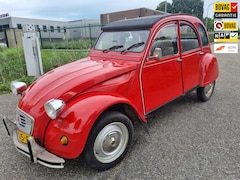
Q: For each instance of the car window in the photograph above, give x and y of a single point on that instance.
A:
(203, 35)
(166, 39)
(189, 39)
(119, 40)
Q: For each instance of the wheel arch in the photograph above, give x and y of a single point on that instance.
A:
(78, 119)
(209, 68)
(125, 109)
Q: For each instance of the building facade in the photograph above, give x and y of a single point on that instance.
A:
(84, 28)
(133, 13)
(50, 29)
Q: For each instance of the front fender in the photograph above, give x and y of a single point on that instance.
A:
(210, 70)
(76, 121)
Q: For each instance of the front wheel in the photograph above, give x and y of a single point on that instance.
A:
(205, 93)
(109, 140)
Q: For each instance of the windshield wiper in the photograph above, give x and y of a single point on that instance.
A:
(136, 45)
(112, 48)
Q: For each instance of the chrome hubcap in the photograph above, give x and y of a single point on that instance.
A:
(208, 90)
(111, 142)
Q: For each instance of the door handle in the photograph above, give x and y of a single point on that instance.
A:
(179, 60)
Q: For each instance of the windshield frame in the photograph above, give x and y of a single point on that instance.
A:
(125, 38)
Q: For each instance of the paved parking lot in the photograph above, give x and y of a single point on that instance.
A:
(188, 140)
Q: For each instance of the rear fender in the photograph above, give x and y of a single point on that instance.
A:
(210, 70)
(76, 121)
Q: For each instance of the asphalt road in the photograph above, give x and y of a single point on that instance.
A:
(188, 140)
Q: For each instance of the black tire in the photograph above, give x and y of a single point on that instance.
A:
(108, 141)
(205, 93)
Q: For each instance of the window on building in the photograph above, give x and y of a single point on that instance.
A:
(19, 26)
(52, 28)
(37, 28)
(3, 27)
(58, 29)
(6, 26)
(44, 28)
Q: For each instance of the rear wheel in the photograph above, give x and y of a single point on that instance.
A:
(205, 93)
(109, 140)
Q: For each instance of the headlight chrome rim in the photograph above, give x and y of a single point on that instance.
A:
(53, 107)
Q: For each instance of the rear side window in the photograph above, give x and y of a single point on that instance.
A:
(203, 35)
(189, 39)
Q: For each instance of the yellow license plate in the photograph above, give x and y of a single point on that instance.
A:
(23, 137)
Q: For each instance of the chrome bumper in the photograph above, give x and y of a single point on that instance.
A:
(36, 153)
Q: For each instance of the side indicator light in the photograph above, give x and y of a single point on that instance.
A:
(64, 140)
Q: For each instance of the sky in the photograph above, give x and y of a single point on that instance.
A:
(71, 9)
(78, 9)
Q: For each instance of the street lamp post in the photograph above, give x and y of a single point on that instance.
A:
(207, 16)
(166, 6)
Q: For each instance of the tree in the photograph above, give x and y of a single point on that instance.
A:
(209, 23)
(194, 7)
(161, 7)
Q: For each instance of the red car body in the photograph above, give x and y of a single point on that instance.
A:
(132, 81)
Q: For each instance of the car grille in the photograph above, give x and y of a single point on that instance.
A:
(24, 121)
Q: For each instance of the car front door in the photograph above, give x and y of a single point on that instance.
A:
(161, 77)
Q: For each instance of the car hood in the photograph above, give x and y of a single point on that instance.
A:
(69, 80)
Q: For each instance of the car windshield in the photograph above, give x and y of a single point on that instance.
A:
(133, 41)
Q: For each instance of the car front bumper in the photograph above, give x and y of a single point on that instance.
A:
(32, 149)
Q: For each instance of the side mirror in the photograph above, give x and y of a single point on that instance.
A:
(157, 54)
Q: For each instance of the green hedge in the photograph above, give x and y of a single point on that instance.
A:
(13, 66)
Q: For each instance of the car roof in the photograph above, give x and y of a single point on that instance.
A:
(137, 23)
(142, 22)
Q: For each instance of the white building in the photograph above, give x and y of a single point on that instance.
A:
(50, 29)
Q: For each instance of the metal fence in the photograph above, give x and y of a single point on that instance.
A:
(72, 37)
(81, 37)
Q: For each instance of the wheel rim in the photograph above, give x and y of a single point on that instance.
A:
(111, 142)
(208, 90)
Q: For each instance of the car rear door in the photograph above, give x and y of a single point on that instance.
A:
(190, 55)
(161, 78)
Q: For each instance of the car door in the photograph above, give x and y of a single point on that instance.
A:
(162, 77)
(190, 55)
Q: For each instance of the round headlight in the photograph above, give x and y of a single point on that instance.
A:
(53, 107)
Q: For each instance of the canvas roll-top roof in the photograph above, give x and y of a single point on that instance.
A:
(135, 23)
